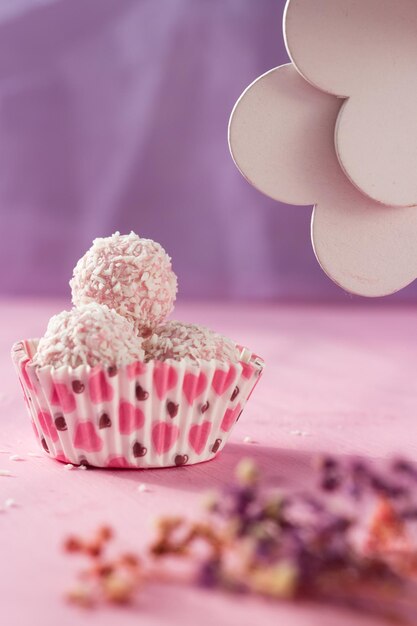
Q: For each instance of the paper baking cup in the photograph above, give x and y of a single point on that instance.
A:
(141, 415)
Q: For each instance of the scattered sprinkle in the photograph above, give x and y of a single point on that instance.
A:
(299, 433)
(248, 439)
(69, 466)
(9, 503)
(35, 454)
(16, 457)
(142, 488)
(4, 472)
(82, 467)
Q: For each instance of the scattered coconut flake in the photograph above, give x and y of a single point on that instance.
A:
(9, 503)
(142, 488)
(16, 457)
(248, 439)
(82, 467)
(4, 472)
(35, 454)
(299, 433)
(69, 466)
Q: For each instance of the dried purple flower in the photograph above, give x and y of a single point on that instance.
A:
(402, 466)
(330, 483)
(331, 478)
(387, 489)
(209, 573)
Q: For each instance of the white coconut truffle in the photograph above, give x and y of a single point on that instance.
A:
(91, 334)
(131, 275)
(177, 340)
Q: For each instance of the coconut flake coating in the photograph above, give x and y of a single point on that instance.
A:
(131, 275)
(178, 340)
(92, 334)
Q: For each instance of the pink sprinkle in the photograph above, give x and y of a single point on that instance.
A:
(16, 457)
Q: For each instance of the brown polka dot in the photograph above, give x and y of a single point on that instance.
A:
(216, 445)
(44, 445)
(77, 386)
(139, 450)
(105, 421)
(141, 394)
(181, 459)
(60, 423)
(205, 407)
(234, 394)
(112, 370)
(172, 408)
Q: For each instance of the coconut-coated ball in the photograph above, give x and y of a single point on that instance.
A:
(129, 274)
(178, 340)
(91, 334)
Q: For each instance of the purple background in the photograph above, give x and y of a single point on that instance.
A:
(113, 116)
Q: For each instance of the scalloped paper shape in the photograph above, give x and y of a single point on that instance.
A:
(281, 137)
(365, 51)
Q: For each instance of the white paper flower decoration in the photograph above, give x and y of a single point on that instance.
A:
(296, 143)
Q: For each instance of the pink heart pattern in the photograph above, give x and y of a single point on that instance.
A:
(197, 394)
(164, 436)
(25, 375)
(165, 378)
(130, 418)
(193, 386)
(86, 437)
(135, 369)
(63, 397)
(198, 436)
(47, 425)
(230, 418)
(247, 370)
(222, 380)
(117, 462)
(62, 458)
(100, 389)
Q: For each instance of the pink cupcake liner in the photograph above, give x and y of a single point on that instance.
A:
(142, 415)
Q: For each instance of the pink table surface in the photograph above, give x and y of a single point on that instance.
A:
(344, 378)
